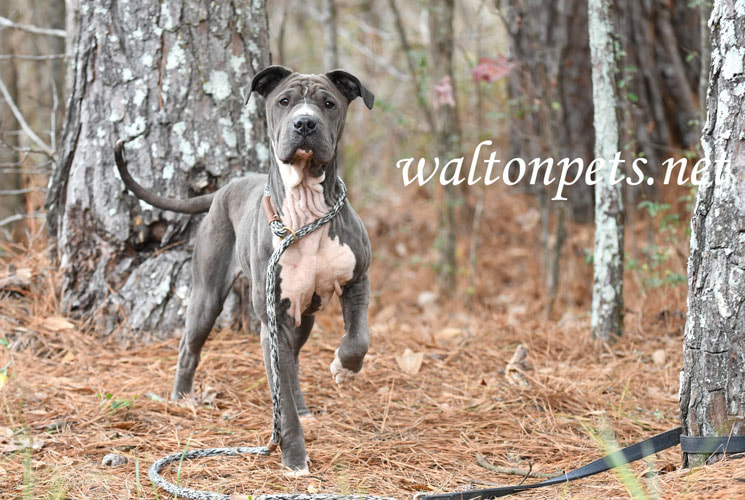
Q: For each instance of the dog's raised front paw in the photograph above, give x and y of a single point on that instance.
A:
(339, 373)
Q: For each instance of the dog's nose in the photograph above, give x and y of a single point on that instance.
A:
(304, 125)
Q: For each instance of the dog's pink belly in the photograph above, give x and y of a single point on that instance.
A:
(317, 265)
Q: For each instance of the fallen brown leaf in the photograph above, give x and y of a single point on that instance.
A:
(410, 362)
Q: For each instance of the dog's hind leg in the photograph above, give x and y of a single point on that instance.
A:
(212, 277)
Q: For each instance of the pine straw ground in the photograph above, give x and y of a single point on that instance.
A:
(389, 433)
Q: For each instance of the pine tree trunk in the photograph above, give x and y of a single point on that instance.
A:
(712, 390)
(448, 133)
(607, 293)
(166, 77)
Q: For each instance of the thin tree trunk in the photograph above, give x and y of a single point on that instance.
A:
(411, 65)
(678, 82)
(703, 80)
(713, 377)
(607, 295)
(281, 33)
(57, 20)
(72, 11)
(480, 129)
(166, 77)
(555, 260)
(330, 35)
(448, 133)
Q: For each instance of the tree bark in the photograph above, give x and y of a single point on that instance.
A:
(712, 389)
(448, 133)
(165, 77)
(607, 294)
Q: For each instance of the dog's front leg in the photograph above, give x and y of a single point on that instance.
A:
(292, 441)
(355, 299)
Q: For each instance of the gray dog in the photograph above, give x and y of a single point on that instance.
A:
(305, 115)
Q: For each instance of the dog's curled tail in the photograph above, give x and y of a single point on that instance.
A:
(195, 205)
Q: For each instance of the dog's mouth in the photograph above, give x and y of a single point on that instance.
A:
(302, 155)
(306, 160)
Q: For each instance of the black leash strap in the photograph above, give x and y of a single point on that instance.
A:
(709, 445)
(663, 441)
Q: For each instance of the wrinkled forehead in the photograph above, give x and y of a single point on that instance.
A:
(308, 86)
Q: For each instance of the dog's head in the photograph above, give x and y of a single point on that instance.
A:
(306, 113)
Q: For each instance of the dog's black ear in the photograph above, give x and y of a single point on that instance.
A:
(350, 87)
(266, 80)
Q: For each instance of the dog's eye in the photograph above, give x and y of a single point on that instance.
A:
(284, 101)
(329, 104)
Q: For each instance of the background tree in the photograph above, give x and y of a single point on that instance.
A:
(447, 137)
(166, 78)
(607, 292)
(330, 35)
(550, 112)
(10, 171)
(712, 390)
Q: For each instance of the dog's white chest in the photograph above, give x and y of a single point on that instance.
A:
(317, 264)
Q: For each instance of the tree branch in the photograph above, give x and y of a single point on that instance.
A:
(25, 171)
(13, 192)
(17, 113)
(7, 23)
(4, 57)
(17, 217)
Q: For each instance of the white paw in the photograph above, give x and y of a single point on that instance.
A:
(295, 473)
(340, 374)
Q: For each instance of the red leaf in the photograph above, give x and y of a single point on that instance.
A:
(492, 70)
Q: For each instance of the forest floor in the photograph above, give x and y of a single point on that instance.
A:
(71, 398)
